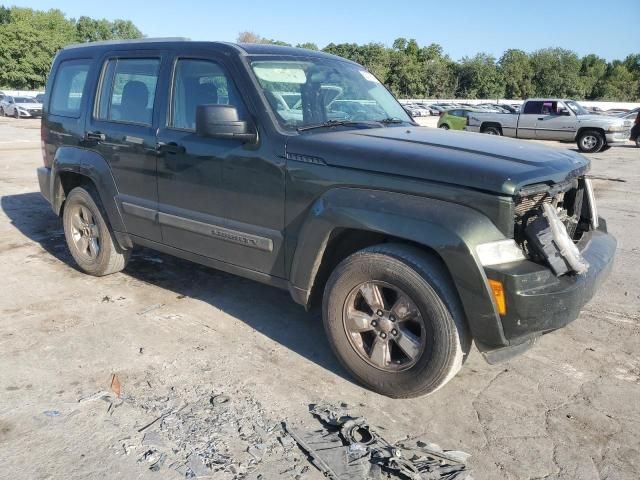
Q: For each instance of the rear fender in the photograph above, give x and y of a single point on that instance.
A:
(94, 167)
(451, 230)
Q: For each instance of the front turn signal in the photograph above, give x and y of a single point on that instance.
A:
(498, 295)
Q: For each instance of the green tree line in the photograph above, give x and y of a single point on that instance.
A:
(413, 71)
(29, 39)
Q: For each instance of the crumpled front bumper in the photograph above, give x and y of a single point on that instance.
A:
(539, 302)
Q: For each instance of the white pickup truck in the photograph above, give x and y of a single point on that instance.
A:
(554, 119)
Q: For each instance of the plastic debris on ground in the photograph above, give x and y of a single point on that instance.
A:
(348, 448)
(204, 433)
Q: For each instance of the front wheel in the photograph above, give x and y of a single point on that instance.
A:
(638, 141)
(15, 113)
(2, 114)
(394, 320)
(444, 126)
(88, 236)
(590, 141)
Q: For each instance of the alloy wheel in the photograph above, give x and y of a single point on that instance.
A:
(589, 142)
(384, 326)
(85, 232)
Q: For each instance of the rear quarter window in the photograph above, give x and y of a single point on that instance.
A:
(68, 87)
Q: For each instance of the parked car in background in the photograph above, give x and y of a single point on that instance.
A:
(555, 119)
(630, 115)
(417, 110)
(438, 109)
(39, 98)
(617, 111)
(456, 119)
(21, 107)
(509, 108)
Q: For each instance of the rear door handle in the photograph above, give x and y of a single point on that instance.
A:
(95, 136)
(170, 147)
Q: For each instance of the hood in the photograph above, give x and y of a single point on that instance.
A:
(592, 119)
(479, 161)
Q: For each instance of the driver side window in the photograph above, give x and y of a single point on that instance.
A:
(200, 82)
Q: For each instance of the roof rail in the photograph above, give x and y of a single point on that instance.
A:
(120, 42)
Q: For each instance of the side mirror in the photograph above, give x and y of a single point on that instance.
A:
(565, 113)
(223, 121)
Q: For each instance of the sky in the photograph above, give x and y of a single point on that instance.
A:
(608, 28)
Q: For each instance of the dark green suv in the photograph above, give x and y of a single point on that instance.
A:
(300, 170)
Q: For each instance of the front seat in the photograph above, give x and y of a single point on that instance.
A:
(133, 105)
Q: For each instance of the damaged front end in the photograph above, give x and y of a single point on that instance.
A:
(558, 257)
(550, 220)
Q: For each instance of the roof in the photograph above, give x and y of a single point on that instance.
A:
(241, 48)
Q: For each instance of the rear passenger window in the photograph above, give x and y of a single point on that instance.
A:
(534, 108)
(68, 88)
(200, 82)
(128, 89)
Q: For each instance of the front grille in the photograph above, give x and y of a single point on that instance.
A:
(530, 202)
(566, 197)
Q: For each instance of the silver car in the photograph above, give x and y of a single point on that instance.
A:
(20, 107)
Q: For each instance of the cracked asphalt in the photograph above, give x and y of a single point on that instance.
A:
(569, 408)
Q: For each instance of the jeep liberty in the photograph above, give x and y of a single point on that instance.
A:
(300, 170)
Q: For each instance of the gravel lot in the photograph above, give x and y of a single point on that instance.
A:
(176, 334)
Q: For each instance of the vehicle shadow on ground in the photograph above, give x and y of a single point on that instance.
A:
(269, 310)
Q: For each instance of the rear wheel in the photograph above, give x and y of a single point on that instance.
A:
(605, 148)
(492, 130)
(394, 320)
(638, 141)
(2, 114)
(590, 141)
(88, 236)
(444, 126)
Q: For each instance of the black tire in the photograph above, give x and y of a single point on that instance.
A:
(638, 141)
(590, 141)
(605, 148)
(492, 130)
(108, 257)
(15, 113)
(2, 114)
(444, 126)
(423, 279)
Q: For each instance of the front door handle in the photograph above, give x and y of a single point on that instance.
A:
(95, 136)
(540, 118)
(169, 147)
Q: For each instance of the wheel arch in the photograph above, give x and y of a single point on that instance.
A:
(486, 125)
(73, 167)
(342, 222)
(600, 130)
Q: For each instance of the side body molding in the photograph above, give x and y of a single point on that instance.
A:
(451, 230)
(92, 165)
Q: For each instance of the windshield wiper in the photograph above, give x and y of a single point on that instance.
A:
(389, 120)
(338, 123)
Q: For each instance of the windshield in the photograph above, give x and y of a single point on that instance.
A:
(312, 91)
(576, 108)
(24, 100)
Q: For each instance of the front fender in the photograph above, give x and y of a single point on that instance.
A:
(93, 166)
(450, 229)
